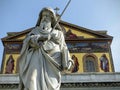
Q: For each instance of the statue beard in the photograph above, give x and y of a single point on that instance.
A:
(45, 25)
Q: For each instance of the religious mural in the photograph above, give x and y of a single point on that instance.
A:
(70, 35)
(76, 64)
(82, 47)
(9, 65)
(104, 64)
(13, 47)
(100, 46)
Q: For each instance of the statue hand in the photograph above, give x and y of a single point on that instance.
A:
(54, 33)
(34, 41)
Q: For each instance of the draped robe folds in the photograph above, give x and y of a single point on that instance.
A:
(40, 64)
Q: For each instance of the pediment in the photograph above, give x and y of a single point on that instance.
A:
(71, 32)
(14, 36)
(84, 32)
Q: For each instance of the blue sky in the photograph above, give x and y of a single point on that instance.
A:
(18, 15)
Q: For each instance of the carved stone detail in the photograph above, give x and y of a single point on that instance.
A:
(102, 84)
(8, 86)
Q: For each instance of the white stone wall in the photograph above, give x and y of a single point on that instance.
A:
(91, 77)
(10, 81)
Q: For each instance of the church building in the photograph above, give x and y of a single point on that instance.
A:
(91, 51)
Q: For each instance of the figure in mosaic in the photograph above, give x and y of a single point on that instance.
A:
(104, 64)
(9, 65)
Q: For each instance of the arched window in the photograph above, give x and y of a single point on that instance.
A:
(90, 64)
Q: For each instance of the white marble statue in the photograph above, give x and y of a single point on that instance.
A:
(41, 62)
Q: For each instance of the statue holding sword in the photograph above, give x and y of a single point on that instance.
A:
(44, 55)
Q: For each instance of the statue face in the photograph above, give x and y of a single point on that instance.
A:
(45, 23)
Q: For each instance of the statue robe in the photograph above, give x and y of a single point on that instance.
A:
(40, 64)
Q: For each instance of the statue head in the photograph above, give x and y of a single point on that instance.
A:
(49, 12)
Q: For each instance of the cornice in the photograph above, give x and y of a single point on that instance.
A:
(11, 81)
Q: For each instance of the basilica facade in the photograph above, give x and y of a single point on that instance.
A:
(90, 50)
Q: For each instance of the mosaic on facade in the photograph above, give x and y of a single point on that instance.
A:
(82, 47)
(13, 47)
